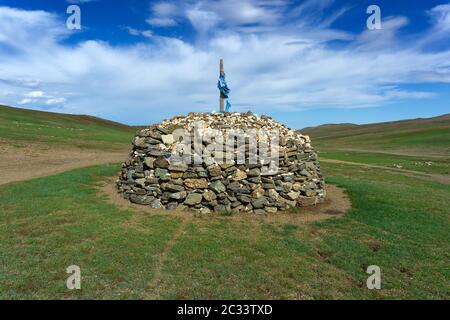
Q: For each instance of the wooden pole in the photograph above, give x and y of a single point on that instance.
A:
(221, 98)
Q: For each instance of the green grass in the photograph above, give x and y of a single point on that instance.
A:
(398, 223)
(21, 125)
(422, 164)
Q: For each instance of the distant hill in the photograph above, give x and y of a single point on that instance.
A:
(430, 135)
(24, 125)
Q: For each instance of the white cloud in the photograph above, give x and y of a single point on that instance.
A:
(25, 101)
(273, 67)
(53, 101)
(35, 94)
(136, 32)
(161, 22)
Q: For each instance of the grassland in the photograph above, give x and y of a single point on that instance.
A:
(22, 125)
(397, 221)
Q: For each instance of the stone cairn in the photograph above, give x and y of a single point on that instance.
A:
(152, 176)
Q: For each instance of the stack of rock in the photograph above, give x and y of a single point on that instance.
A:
(151, 176)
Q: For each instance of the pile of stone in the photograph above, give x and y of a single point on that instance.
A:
(156, 175)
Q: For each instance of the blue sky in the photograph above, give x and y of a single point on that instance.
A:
(303, 62)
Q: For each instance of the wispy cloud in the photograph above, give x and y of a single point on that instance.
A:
(270, 63)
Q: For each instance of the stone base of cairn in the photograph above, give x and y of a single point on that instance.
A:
(157, 173)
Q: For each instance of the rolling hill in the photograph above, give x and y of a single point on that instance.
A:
(430, 136)
(23, 125)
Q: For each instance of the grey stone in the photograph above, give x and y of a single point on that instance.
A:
(209, 195)
(181, 167)
(193, 198)
(178, 195)
(156, 204)
(171, 206)
(214, 170)
(239, 175)
(173, 187)
(271, 209)
(161, 173)
(217, 187)
(141, 199)
(259, 203)
(234, 186)
(148, 161)
(254, 172)
(223, 209)
(161, 162)
(155, 152)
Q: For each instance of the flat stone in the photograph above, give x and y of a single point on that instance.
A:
(174, 187)
(239, 175)
(271, 209)
(176, 174)
(257, 193)
(305, 173)
(234, 186)
(155, 152)
(140, 143)
(226, 165)
(260, 203)
(272, 194)
(150, 140)
(201, 183)
(244, 199)
(161, 173)
(161, 162)
(254, 180)
(254, 172)
(193, 199)
(151, 180)
(297, 186)
(217, 187)
(181, 167)
(154, 134)
(310, 185)
(141, 199)
(178, 195)
(148, 161)
(214, 170)
(209, 195)
(222, 209)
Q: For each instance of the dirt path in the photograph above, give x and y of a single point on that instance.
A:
(32, 160)
(438, 154)
(441, 178)
(152, 290)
